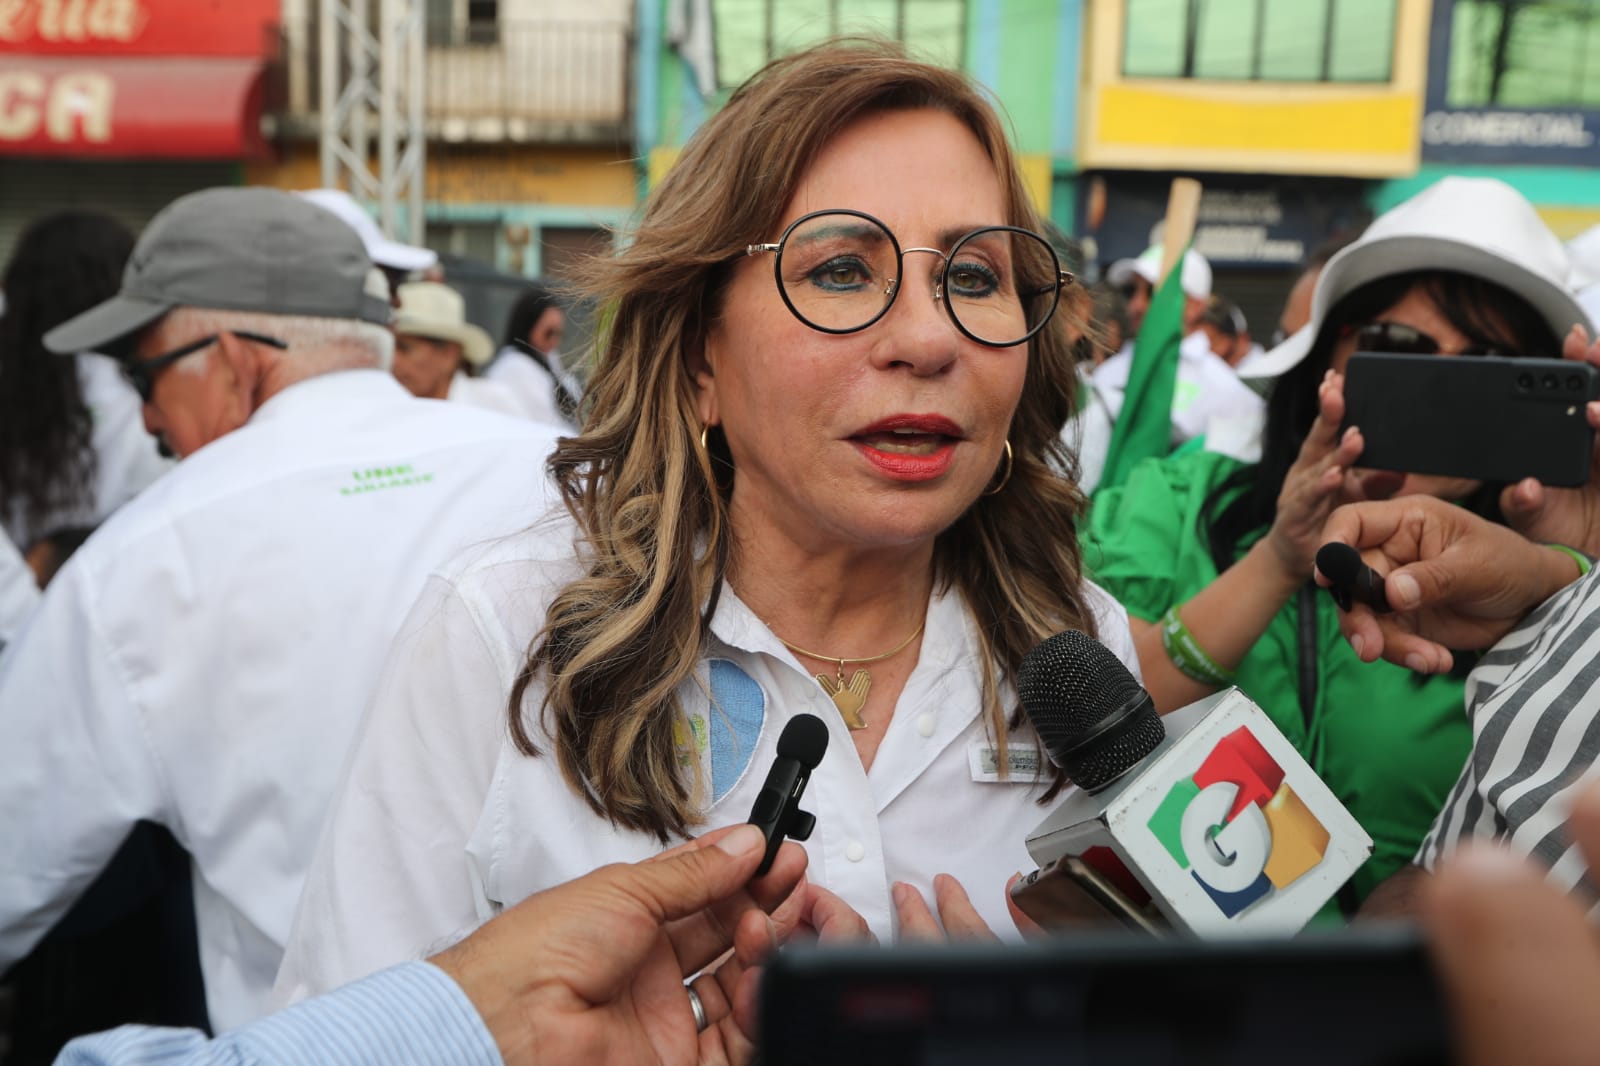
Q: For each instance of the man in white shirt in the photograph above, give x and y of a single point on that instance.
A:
(1207, 390)
(438, 352)
(204, 658)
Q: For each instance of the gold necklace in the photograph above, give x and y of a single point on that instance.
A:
(852, 697)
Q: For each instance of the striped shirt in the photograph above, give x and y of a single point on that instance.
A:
(1535, 712)
(411, 1013)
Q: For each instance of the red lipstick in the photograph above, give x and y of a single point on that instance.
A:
(909, 447)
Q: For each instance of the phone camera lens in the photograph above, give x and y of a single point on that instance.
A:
(1550, 381)
(1574, 383)
(1524, 381)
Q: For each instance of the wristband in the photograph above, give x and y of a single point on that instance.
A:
(1583, 561)
(1187, 654)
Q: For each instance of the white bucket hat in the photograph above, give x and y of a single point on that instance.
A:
(1584, 251)
(1196, 279)
(384, 252)
(1477, 226)
(429, 309)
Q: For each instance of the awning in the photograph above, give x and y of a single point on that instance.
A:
(145, 107)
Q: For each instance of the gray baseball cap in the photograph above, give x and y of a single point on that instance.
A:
(232, 249)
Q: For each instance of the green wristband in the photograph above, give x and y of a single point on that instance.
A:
(1583, 561)
(1187, 654)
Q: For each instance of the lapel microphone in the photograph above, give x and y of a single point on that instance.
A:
(777, 808)
(1353, 580)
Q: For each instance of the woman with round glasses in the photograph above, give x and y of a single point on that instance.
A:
(816, 475)
(1213, 557)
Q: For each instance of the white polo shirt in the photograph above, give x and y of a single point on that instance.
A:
(534, 386)
(442, 823)
(203, 659)
(480, 392)
(1207, 388)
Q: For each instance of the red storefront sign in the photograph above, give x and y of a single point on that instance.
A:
(138, 27)
(134, 78)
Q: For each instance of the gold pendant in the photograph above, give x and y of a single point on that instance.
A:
(848, 698)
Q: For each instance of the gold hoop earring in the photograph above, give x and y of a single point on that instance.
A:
(703, 431)
(1006, 477)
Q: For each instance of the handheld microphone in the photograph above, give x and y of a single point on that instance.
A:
(1353, 580)
(1210, 816)
(777, 808)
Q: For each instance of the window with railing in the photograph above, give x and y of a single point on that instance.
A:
(1524, 53)
(1260, 40)
(749, 33)
(463, 22)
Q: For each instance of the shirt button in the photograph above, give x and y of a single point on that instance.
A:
(854, 851)
(926, 725)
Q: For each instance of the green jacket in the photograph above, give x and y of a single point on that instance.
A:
(1388, 742)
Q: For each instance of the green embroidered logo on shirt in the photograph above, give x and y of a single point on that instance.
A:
(376, 478)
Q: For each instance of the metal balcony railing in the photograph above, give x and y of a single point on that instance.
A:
(564, 80)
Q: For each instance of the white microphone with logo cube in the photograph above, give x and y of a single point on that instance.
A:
(1208, 814)
(1224, 827)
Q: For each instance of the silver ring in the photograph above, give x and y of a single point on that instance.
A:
(700, 1020)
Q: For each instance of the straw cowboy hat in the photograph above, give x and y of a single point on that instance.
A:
(429, 309)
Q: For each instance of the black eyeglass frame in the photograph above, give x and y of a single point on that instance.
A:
(141, 373)
(1063, 278)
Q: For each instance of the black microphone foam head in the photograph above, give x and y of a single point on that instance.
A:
(1340, 563)
(804, 740)
(1095, 719)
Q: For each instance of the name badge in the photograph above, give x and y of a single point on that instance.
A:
(1024, 765)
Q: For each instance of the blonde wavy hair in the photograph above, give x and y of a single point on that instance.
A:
(619, 641)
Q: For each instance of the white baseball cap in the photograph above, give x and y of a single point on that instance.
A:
(1196, 279)
(384, 252)
(1476, 226)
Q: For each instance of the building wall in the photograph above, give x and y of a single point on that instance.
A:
(1543, 138)
(554, 61)
(1025, 52)
(500, 199)
(1242, 126)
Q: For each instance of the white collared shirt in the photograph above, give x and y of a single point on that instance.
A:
(442, 823)
(1207, 388)
(19, 593)
(202, 661)
(480, 392)
(535, 387)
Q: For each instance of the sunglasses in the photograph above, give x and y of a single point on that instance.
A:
(142, 373)
(1392, 338)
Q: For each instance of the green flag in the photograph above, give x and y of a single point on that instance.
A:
(1144, 425)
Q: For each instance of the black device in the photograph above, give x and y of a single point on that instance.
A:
(777, 808)
(1069, 893)
(1349, 997)
(1487, 417)
(1353, 580)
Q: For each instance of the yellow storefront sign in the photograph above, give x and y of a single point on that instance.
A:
(1352, 131)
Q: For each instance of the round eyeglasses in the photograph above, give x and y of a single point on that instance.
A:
(839, 271)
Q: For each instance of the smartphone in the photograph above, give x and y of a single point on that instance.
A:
(1069, 893)
(1355, 996)
(1491, 418)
